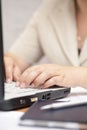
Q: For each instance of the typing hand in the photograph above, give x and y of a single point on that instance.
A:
(51, 74)
(13, 68)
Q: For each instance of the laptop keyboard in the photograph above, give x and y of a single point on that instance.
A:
(13, 91)
(13, 88)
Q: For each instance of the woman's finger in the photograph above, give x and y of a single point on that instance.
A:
(9, 70)
(16, 73)
(28, 78)
(57, 80)
(42, 78)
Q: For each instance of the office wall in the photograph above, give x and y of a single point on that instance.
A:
(16, 14)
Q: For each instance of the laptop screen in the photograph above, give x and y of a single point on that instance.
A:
(1, 59)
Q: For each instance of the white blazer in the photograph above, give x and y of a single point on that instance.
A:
(52, 31)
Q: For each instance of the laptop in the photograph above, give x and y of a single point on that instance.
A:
(13, 97)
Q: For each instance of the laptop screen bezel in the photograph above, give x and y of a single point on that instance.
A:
(2, 72)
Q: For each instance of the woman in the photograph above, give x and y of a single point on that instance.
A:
(58, 30)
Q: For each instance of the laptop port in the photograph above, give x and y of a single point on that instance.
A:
(46, 96)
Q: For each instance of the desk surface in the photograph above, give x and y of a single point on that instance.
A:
(23, 109)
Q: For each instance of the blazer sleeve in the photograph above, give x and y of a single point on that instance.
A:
(27, 47)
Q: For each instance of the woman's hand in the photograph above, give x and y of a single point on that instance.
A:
(47, 75)
(13, 68)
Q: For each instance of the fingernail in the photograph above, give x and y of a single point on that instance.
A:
(41, 87)
(17, 84)
(22, 85)
(32, 85)
(9, 80)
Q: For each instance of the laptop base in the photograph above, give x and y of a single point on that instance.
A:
(26, 101)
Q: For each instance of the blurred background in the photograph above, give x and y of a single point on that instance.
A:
(16, 15)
